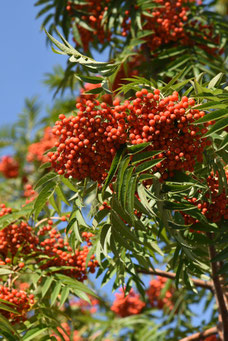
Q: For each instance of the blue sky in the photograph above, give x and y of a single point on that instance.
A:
(25, 58)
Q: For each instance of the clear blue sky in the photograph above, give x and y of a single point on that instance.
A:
(24, 58)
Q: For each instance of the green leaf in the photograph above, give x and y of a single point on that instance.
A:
(43, 197)
(45, 165)
(178, 206)
(143, 156)
(212, 116)
(74, 284)
(131, 197)
(173, 80)
(211, 105)
(121, 228)
(46, 285)
(55, 292)
(216, 80)
(61, 195)
(54, 204)
(122, 168)
(114, 166)
(222, 124)
(147, 165)
(7, 308)
(224, 143)
(8, 327)
(221, 256)
(33, 333)
(64, 295)
(10, 218)
(69, 184)
(125, 184)
(90, 79)
(137, 148)
(47, 177)
(5, 271)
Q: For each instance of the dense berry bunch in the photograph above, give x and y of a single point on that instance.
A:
(61, 254)
(167, 123)
(127, 305)
(36, 150)
(170, 23)
(9, 167)
(167, 22)
(17, 236)
(215, 207)
(87, 142)
(22, 303)
(204, 32)
(154, 294)
(92, 13)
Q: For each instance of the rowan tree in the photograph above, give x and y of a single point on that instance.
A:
(125, 183)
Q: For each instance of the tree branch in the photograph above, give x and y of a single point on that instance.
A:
(220, 299)
(170, 275)
(199, 336)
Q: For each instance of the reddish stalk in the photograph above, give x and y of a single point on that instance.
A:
(170, 275)
(219, 295)
(202, 335)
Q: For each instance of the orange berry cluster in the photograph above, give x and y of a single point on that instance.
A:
(16, 237)
(61, 254)
(154, 294)
(167, 123)
(95, 10)
(22, 303)
(127, 305)
(9, 167)
(36, 150)
(19, 237)
(88, 142)
(167, 22)
(206, 33)
(216, 207)
(170, 23)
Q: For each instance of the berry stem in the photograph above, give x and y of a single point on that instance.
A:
(199, 336)
(46, 219)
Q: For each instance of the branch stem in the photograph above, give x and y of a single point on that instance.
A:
(220, 299)
(170, 275)
(202, 335)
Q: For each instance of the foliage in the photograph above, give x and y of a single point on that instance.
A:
(125, 181)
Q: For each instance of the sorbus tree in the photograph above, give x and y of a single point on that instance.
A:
(125, 183)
